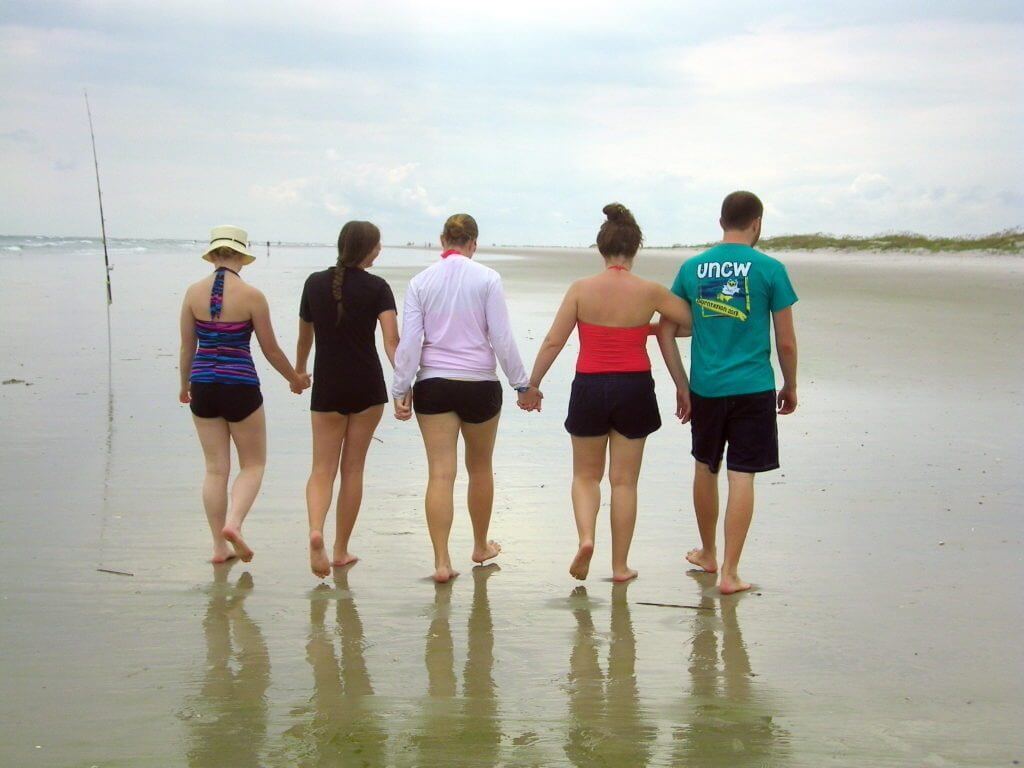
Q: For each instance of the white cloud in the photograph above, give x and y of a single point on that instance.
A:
(536, 118)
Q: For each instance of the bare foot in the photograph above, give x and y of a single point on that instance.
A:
(492, 550)
(444, 574)
(731, 584)
(620, 576)
(580, 566)
(704, 561)
(235, 537)
(222, 555)
(318, 562)
(343, 558)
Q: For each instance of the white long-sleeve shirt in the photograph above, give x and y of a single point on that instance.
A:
(455, 325)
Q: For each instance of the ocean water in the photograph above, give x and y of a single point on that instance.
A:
(886, 553)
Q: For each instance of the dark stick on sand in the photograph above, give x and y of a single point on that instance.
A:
(99, 194)
(116, 573)
(675, 605)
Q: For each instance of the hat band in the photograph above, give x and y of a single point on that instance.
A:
(216, 239)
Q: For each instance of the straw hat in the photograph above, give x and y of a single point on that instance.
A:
(227, 236)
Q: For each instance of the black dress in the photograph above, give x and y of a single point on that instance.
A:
(347, 374)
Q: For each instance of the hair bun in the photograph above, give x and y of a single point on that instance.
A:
(617, 213)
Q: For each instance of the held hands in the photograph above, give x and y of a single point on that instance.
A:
(787, 400)
(530, 400)
(301, 382)
(683, 408)
(403, 407)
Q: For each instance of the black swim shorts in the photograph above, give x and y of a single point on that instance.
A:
(601, 402)
(746, 423)
(231, 402)
(472, 401)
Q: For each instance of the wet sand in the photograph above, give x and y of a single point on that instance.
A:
(883, 628)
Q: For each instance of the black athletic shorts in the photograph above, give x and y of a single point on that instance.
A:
(601, 402)
(232, 402)
(472, 401)
(747, 423)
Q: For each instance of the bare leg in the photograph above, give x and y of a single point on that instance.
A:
(626, 457)
(361, 427)
(216, 442)
(328, 435)
(738, 513)
(588, 457)
(705, 504)
(250, 437)
(440, 438)
(479, 440)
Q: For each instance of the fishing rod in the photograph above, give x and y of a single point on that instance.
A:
(99, 194)
(105, 503)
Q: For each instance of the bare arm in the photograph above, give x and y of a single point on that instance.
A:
(785, 347)
(561, 329)
(674, 309)
(268, 341)
(305, 344)
(667, 333)
(188, 350)
(389, 330)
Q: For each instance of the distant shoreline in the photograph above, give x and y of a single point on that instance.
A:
(1010, 241)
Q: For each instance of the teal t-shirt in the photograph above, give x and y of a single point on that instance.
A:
(732, 289)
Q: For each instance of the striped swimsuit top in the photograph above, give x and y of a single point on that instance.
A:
(223, 356)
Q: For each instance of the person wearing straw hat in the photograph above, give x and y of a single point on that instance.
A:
(220, 384)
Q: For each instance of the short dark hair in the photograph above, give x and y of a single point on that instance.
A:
(739, 209)
(620, 234)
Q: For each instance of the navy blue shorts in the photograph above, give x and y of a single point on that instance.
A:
(601, 402)
(746, 423)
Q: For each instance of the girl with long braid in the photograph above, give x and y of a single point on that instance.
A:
(340, 310)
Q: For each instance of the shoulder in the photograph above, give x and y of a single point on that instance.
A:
(253, 294)
(376, 281)
(769, 261)
(487, 273)
(321, 276)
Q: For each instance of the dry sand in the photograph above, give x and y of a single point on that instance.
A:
(884, 628)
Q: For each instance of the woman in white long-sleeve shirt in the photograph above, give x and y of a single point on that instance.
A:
(455, 330)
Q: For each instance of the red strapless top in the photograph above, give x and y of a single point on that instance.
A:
(604, 349)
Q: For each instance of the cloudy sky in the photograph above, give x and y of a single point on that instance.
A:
(289, 118)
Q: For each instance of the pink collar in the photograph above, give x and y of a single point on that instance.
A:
(618, 267)
(451, 252)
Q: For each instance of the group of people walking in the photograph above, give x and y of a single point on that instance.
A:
(455, 333)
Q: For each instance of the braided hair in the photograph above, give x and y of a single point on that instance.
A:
(356, 241)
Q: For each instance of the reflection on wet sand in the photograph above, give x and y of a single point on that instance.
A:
(730, 721)
(344, 728)
(607, 725)
(228, 720)
(467, 732)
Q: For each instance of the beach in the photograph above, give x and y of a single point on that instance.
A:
(883, 628)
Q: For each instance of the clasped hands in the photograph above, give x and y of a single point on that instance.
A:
(301, 383)
(530, 400)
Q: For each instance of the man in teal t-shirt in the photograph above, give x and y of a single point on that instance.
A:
(736, 294)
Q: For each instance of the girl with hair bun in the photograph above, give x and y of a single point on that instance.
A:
(455, 330)
(612, 408)
(340, 309)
